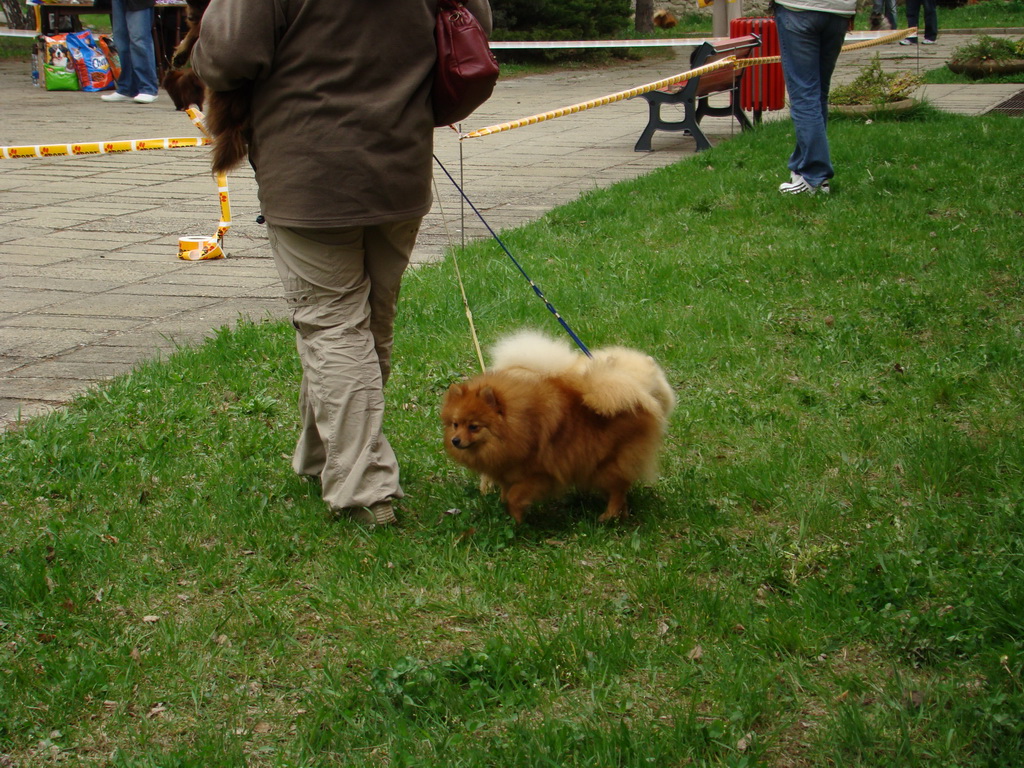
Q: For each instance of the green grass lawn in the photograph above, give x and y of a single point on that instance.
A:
(987, 13)
(829, 571)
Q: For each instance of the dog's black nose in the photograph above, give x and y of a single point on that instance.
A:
(456, 442)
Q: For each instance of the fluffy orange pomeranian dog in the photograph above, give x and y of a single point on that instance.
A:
(545, 419)
(664, 19)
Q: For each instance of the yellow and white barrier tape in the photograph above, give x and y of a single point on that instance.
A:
(201, 249)
(729, 61)
(100, 147)
(674, 42)
(611, 98)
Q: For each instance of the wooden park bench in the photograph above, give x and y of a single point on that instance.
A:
(693, 94)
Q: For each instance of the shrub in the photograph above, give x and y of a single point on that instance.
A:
(875, 86)
(564, 20)
(988, 48)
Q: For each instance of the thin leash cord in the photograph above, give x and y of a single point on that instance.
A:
(462, 287)
(536, 288)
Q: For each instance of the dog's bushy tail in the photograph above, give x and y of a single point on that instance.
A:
(615, 380)
(229, 120)
(533, 351)
(619, 379)
(228, 117)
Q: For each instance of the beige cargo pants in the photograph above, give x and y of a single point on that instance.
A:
(342, 286)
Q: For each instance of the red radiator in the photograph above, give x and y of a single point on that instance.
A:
(763, 87)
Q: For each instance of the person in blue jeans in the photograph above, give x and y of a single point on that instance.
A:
(811, 35)
(883, 9)
(931, 21)
(133, 35)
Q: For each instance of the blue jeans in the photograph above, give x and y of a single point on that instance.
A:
(133, 36)
(931, 17)
(810, 42)
(886, 9)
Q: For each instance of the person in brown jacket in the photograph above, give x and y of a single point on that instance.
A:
(341, 144)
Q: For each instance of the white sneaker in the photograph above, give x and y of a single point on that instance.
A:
(115, 96)
(145, 98)
(926, 41)
(908, 41)
(797, 185)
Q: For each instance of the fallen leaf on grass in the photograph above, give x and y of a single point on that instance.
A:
(151, 619)
(156, 710)
(695, 653)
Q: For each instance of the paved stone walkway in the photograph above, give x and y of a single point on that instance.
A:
(90, 282)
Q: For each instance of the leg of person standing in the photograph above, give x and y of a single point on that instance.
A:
(931, 22)
(140, 32)
(913, 16)
(133, 37)
(342, 288)
(126, 87)
(810, 43)
(890, 13)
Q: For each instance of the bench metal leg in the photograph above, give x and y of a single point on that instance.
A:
(690, 124)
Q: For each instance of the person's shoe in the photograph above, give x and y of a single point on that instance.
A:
(926, 41)
(908, 41)
(115, 96)
(145, 98)
(797, 185)
(381, 513)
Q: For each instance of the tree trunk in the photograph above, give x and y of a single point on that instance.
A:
(644, 16)
(17, 16)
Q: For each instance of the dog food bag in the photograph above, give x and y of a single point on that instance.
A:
(106, 44)
(90, 61)
(59, 73)
(59, 79)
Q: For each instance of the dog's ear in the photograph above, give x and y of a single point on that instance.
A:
(488, 395)
(456, 390)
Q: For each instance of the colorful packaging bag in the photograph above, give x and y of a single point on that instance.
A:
(110, 51)
(90, 62)
(59, 73)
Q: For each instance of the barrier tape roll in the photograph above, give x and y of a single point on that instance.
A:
(199, 248)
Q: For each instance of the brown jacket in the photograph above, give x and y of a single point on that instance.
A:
(342, 124)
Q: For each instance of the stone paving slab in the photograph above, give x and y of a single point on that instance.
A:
(90, 283)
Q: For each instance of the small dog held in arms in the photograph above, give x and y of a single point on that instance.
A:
(228, 117)
(545, 419)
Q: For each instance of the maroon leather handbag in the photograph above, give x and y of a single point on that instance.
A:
(466, 70)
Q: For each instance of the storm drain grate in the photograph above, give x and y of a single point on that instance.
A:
(1013, 106)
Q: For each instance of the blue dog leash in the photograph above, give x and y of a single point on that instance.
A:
(536, 288)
